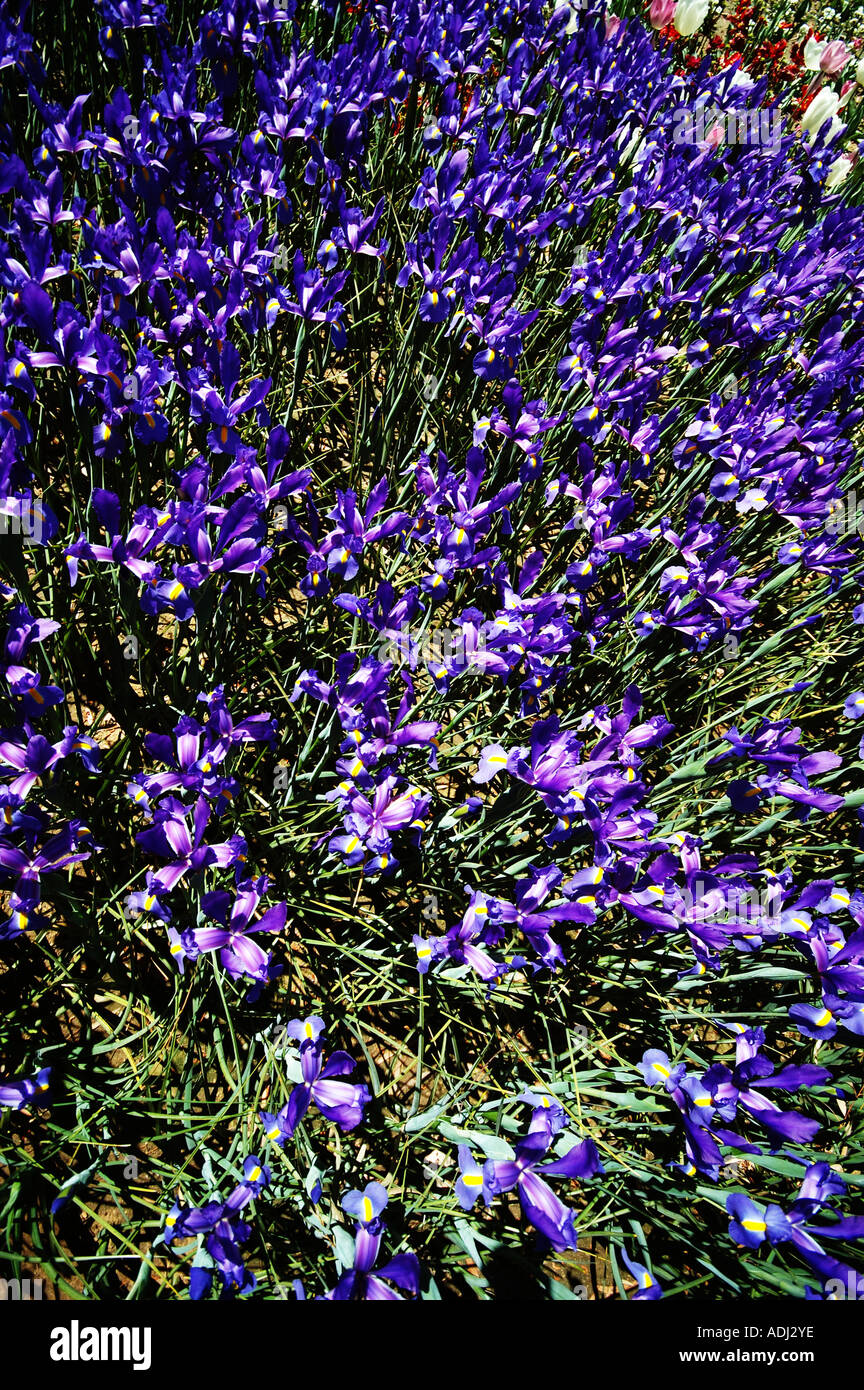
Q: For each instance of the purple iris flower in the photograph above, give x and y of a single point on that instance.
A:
(31, 755)
(534, 916)
(777, 745)
(224, 1233)
(16, 1094)
(648, 1287)
(29, 865)
(370, 825)
(751, 1224)
(171, 838)
(656, 1068)
(709, 1101)
(354, 530)
(341, 1102)
(22, 632)
(547, 1213)
(239, 955)
(364, 1281)
(472, 1181)
(316, 298)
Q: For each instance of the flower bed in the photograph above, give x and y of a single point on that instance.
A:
(432, 567)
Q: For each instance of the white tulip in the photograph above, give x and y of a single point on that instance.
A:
(822, 108)
(813, 51)
(859, 73)
(838, 171)
(834, 129)
(690, 15)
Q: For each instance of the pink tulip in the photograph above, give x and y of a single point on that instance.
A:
(835, 58)
(661, 13)
(613, 24)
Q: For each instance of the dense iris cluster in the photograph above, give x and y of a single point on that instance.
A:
(31, 843)
(618, 414)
